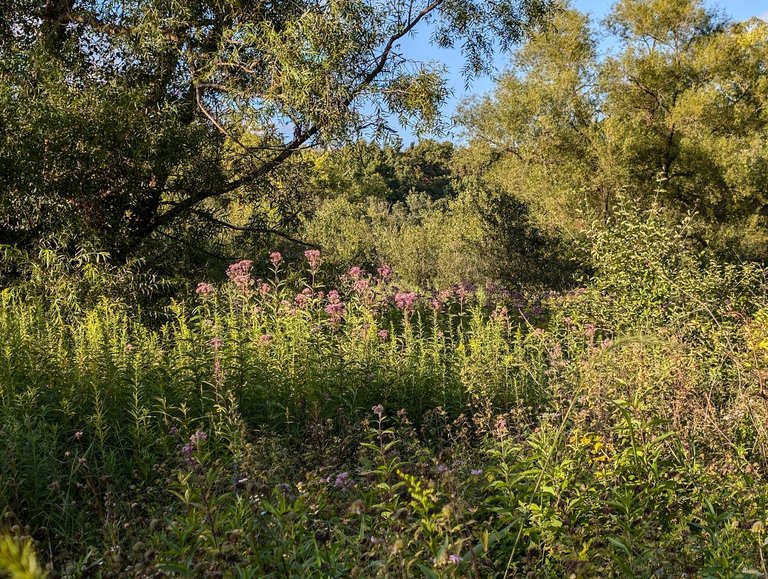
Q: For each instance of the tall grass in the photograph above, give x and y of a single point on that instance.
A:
(277, 427)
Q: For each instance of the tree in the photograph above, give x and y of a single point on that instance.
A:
(677, 114)
(534, 137)
(124, 119)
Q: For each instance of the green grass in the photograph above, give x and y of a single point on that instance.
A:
(616, 430)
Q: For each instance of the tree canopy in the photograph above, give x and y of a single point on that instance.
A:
(675, 112)
(117, 117)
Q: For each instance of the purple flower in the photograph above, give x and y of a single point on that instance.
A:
(215, 343)
(454, 559)
(405, 300)
(342, 481)
(276, 258)
(378, 410)
(204, 289)
(187, 450)
(476, 471)
(355, 272)
(239, 273)
(385, 272)
(442, 469)
(313, 258)
(198, 437)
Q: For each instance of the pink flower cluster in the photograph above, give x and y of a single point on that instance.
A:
(335, 307)
(204, 289)
(304, 298)
(276, 258)
(239, 273)
(313, 258)
(405, 301)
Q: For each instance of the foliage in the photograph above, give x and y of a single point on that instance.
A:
(676, 114)
(481, 236)
(119, 122)
(275, 426)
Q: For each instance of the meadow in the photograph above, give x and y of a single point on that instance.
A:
(279, 426)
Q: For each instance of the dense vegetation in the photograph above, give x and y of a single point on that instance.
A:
(244, 334)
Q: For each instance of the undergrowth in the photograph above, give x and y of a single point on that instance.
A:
(276, 427)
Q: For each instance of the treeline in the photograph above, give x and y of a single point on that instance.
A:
(662, 103)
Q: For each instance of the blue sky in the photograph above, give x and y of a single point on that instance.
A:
(418, 47)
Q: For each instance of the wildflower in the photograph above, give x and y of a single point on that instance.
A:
(464, 290)
(239, 273)
(313, 258)
(355, 272)
(198, 437)
(78, 435)
(204, 289)
(276, 258)
(264, 288)
(360, 285)
(383, 335)
(265, 338)
(301, 299)
(335, 309)
(476, 471)
(333, 296)
(454, 559)
(500, 427)
(405, 300)
(442, 469)
(187, 450)
(590, 330)
(342, 481)
(378, 410)
(385, 272)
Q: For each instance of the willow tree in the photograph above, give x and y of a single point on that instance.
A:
(676, 113)
(123, 118)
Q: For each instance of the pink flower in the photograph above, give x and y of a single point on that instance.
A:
(239, 273)
(313, 257)
(355, 272)
(335, 310)
(405, 300)
(276, 258)
(265, 339)
(204, 289)
(301, 299)
(383, 335)
(333, 296)
(385, 272)
(361, 285)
